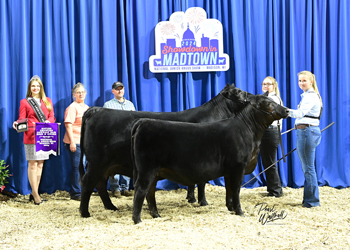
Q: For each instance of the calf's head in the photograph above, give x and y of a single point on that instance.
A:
(268, 106)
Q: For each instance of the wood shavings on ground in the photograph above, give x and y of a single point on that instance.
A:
(56, 224)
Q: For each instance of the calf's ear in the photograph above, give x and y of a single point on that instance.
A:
(266, 93)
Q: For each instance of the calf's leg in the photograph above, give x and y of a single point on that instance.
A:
(151, 200)
(229, 194)
(190, 194)
(201, 194)
(88, 183)
(102, 191)
(142, 185)
(235, 186)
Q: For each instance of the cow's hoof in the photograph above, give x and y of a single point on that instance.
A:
(203, 203)
(112, 207)
(155, 215)
(85, 214)
(191, 200)
(240, 213)
(136, 221)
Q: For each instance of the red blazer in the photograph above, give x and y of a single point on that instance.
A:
(26, 111)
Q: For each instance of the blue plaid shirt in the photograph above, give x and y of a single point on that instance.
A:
(115, 104)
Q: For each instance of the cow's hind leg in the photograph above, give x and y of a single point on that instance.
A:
(201, 194)
(190, 194)
(142, 186)
(88, 183)
(151, 200)
(102, 191)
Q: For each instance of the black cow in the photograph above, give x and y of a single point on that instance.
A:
(190, 153)
(106, 140)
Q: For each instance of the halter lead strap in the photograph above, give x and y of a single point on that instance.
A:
(280, 138)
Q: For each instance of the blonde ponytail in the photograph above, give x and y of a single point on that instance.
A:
(312, 78)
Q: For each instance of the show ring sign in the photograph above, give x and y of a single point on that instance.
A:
(47, 138)
(189, 42)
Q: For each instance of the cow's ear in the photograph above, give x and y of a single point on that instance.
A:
(266, 93)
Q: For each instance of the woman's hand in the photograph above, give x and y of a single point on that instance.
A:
(14, 125)
(73, 147)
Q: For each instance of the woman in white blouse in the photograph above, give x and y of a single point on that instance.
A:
(270, 142)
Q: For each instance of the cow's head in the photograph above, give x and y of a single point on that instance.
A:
(239, 99)
(269, 107)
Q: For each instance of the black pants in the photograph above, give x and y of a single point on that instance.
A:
(268, 149)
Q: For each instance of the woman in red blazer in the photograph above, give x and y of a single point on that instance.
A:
(35, 162)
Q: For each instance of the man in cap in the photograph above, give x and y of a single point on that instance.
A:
(119, 183)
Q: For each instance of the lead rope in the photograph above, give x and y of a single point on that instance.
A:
(280, 137)
(281, 158)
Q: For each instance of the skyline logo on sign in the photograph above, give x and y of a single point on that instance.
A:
(189, 42)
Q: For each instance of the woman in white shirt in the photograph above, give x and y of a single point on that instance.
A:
(270, 142)
(308, 133)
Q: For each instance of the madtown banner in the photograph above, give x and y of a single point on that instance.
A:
(189, 42)
(47, 138)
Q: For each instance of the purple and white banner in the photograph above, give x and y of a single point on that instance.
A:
(47, 138)
(189, 42)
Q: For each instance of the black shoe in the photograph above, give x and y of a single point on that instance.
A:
(31, 198)
(37, 203)
(275, 195)
(126, 193)
(78, 198)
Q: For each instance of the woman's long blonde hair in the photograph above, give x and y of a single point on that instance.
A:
(312, 78)
(41, 92)
(275, 84)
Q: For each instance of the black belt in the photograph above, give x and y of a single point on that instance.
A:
(302, 126)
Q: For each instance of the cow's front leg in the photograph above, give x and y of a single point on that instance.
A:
(102, 191)
(190, 194)
(229, 203)
(201, 194)
(235, 183)
(151, 200)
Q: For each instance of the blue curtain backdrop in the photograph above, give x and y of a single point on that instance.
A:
(100, 42)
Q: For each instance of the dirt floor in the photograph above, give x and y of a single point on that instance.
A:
(56, 224)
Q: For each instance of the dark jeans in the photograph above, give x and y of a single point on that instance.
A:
(268, 149)
(75, 189)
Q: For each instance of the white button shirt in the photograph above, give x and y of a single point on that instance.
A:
(276, 99)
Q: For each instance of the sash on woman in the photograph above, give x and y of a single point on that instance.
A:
(47, 135)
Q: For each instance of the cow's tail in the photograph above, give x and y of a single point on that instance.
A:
(88, 113)
(134, 128)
